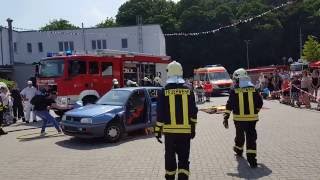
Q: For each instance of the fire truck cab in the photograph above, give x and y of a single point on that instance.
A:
(88, 77)
(217, 75)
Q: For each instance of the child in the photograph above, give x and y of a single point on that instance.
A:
(285, 88)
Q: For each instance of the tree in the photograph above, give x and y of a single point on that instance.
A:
(311, 50)
(60, 24)
(109, 22)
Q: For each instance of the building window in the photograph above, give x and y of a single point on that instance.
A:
(40, 47)
(94, 44)
(104, 44)
(60, 46)
(99, 44)
(15, 48)
(29, 47)
(71, 45)
(66, 46)
(124, 43)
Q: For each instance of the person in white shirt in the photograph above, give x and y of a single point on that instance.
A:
(27, 94)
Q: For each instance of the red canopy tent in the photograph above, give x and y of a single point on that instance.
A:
(315, 65)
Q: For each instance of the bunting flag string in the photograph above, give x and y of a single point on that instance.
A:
(231, 25)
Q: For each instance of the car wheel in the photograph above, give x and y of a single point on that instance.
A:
(113, 132)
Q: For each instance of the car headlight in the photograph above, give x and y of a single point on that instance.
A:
(64, 118)
(86, 120)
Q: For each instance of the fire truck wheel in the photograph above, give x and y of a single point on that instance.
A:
(90, 99)
(113, 132)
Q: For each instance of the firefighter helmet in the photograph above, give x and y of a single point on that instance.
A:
(175, 73)
(240, 73)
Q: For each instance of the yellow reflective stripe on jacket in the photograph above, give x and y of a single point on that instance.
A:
(177, 131)
(184, 171)
(177, 126)
(228, 111)
(250, 151)
(241, 103)
(245, 117)
(185, 109)
(159, 123)
(170, 173)
(251, 104)
(172, 104)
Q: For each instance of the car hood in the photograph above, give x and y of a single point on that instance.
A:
(93, 110)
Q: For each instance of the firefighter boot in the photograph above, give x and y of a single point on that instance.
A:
(252, 161)
(2, 132)
(238, 151)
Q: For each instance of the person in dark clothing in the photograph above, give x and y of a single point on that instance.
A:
(42, 104)
(245, 103)
(17, 106)
(177, 118)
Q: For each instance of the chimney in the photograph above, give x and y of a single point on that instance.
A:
(10, 41)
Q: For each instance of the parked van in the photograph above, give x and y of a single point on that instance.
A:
(217, 75)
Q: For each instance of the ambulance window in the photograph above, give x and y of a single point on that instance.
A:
(77, 67)
(93, 68)
(106, 69)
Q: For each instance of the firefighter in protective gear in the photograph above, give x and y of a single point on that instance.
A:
(115, 84)
(245, 103)
(177, 118)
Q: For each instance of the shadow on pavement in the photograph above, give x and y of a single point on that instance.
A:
(244, 170)
(96, 143)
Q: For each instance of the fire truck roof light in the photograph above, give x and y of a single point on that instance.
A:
(68, 53)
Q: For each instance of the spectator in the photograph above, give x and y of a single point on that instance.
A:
(27, 94)
(42, 104)
(208, 88)
(2, 108)
(315, 83)
(115, 84)
(157, 81)
(295, 83)
(305, 86)
(271, 82)
(17, 106)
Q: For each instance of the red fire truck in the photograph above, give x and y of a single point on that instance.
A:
(87, 77)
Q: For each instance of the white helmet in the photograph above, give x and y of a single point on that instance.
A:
(175, 73)
(157, 79)
(145, 79)
(240, 74)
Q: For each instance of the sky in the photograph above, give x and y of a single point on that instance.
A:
(33, 14)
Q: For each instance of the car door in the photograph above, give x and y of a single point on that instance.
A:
(137, 110)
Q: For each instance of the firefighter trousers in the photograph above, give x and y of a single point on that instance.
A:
(177, 144)
(246, 130)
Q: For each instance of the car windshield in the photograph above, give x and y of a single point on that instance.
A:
(219, 76)
(51, 68)
(114, 97)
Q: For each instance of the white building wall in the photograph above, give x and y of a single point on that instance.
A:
(153, 41)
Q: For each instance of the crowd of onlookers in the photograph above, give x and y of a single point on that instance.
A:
(291, 88)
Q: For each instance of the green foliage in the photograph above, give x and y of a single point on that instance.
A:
(109, 22)
(10, 84)
(311, 50)
(272, 37)
(60, 24)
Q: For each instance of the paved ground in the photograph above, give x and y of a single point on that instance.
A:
(288, 148)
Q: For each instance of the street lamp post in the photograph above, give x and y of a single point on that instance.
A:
(247, 44)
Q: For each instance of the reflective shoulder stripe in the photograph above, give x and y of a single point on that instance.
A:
(177, 131)
(250, 151)
(228, 111)
(183, 171)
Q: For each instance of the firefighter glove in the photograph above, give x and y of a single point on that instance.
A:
(225, 123)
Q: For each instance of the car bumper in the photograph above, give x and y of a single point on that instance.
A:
(83, 130)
